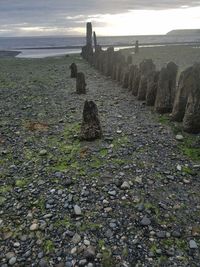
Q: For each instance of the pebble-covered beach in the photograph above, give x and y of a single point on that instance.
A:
(129, 199)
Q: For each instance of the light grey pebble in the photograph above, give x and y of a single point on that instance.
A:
(12, 261)
(193, 244)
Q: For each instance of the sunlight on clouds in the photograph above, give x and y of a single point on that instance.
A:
(139, 22)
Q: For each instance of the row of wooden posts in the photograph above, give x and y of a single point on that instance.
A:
(157, 88)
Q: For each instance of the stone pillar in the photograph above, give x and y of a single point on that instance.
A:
(91, 127)
(80, 83)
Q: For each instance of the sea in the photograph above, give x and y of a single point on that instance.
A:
(40, 47)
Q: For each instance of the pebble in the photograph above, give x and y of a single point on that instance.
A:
(77, 210)
(12, 261)
(179, 168)
(43, 152)
(34, 227)
(193, 244)
(145, 221)
(90, 253)
(76, 238)
(179, 137)
(10, 255)
(125, 185)
(112, 193)
(43, 263)
(86, 242)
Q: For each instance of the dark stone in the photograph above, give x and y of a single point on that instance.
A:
(166, 89)
(90, 128)
(80, 83)
(73, 69)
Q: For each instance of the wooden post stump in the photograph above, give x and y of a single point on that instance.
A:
(80, 83)
(73, 69)
(91, 127)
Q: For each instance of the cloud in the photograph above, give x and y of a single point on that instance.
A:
(62, 16)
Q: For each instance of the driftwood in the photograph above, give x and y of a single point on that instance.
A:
(91, 127)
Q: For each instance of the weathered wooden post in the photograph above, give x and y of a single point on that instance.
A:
(91, 127)
(152, 86)
(166, 89)
(87, 50)
(191, 120)
(146, 68)
(136, 47)
(95, 40)
(89, 34)
(80, 83)
(73, 69)
(180, 102)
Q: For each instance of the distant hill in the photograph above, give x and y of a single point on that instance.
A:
(184, 32)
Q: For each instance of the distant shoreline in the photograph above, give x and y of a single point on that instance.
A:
(109, 45)
(5, 53)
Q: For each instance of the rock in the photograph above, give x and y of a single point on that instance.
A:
(43, 263)
(179, 137)
(179, 168)
(34, 227)
(73, 250)
(80, 83)
(82, 262)
(90, 253)
(73, 69)
(10, 255)
(112, 193)
(12, 261)
(76, 239)
(125, 185)
(77, 210)
(145, 221)
(166, 89)
(90, 127)
(43, 152)
(193, 244)
(161, 234)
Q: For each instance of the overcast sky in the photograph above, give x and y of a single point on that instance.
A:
(109, 17)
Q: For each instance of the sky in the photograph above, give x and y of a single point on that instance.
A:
(109, 17)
